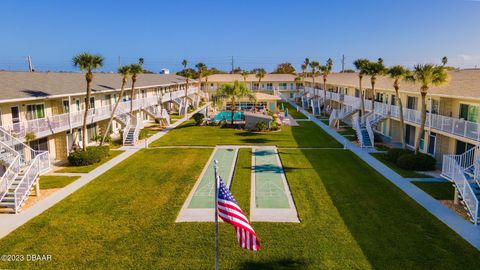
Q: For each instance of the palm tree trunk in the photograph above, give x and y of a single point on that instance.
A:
(185, 98)
(362, 100)
(324, 97)
(424, 119)
(233, 108)
(85, 115)
(117, 102)
(373, 95)
(133, 94)
(402, 123)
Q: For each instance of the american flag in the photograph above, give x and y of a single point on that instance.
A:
(230, 212)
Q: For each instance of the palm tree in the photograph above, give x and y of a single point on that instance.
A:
(87, 62)
(444, 61)
(135, 70)
(260, 75)
(245, 74)
(234, 92)
(325, 71)
(375, 69)
(397, 73)
(360, 65)
(314, 65)
(125, 72)
(201, 67)
(304, 75)
(187, 75)
(426, 75)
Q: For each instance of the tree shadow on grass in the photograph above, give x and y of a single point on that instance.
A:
(256, 141)
(276, 264)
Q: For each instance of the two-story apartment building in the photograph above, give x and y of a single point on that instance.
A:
(452, 109)
(47, 108)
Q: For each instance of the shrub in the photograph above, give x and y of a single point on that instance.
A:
(274, 125)
(261, 126)
(92, 155)
(393, 154)
(198, 117)
(418, 162)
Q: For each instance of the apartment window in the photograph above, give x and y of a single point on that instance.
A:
(435, 106)
(39, 145)
(91, 132)
(92, 103)
(463, 147)
(107, 100)
(357, 93)
(432, 143)
(35, 111)
(394, 100)
(66, 106)
(77, 103)
(412, 103)
(468, 112)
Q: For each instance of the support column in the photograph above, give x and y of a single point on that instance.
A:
(455, 196)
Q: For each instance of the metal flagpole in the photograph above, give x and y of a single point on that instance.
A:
(216, 214)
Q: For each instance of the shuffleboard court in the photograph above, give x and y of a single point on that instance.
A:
(271, 199)
(204, 195)
(269, 186)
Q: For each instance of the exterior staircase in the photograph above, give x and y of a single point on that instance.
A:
(316, 105)
(364, 131)
(23, 166)
(160, 115)
(464, 172)
(131, 126)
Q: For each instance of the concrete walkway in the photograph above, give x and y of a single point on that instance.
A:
(465, 229)
(10, 222)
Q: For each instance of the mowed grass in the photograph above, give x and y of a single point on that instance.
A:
(56, 181)
(438, 190)
(292, 110)
(89, 168)
(306, 135)
(351, 218)
(400, 171)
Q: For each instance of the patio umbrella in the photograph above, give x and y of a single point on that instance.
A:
(286, 112)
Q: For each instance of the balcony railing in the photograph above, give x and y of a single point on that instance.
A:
(458, 127)
(57, 123)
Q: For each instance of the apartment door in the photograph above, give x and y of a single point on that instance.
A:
(15, 118)
(412, 103)
(432, 143)
(66, 106)
(40, 144)
(468, 112)
(463, 147)
(409, 135)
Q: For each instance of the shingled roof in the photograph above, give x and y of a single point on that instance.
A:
(34, 85)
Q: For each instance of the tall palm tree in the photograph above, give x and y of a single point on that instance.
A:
(397, 73)
(375, 69)
(314, 65)
(304, 75)
(426, 75)
(305, 65)
(360, 65)
(260, 75)
(325, 71)
(245, 74)
(87, 62)
(187, 75)
(125, 72)
(201, 68)
(444, 61)
(135, 70)
(234, 92)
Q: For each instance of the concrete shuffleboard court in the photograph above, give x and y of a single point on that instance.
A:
(271, 198)
(199, 206)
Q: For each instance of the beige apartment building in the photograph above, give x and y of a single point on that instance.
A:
(47, 108)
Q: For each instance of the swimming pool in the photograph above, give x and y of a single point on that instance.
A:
(228, 116)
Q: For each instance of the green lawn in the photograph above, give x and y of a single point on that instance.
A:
(307, 134)
(400, 171)
(438, 190)
(292, 111)
(89, 168)
(54, 181)
(351, 218)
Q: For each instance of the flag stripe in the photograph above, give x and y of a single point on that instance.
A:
(229, 211)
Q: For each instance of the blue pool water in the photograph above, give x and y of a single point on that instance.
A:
(228, 116)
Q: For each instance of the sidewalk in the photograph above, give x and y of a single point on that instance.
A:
(10, 222)
(465, 229)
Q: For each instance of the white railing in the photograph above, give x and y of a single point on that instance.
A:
(476, 173)
(12, 170)
(56, 123)
(452, 170)
(442, 123)
(370, 133)
(39, 164)
(356, 126)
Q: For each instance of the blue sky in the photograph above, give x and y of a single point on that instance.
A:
(255, 33)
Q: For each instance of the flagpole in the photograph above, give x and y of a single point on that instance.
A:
(216, 214)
